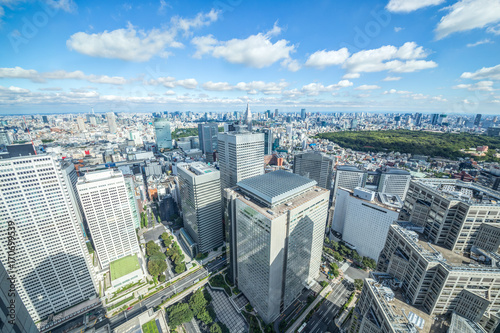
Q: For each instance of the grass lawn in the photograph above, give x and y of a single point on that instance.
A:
(150, 327)
(123, 266)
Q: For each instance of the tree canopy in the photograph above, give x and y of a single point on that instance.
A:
(431, 144)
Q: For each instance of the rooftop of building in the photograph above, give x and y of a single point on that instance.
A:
(475, 260)
(99, 175)
(402, 316)
(460, 324)
(123, 266)
(468, 192)
(274, 187)
(197, 168)
(280, 209)
(395, 171)
(351, 168)
(383, 200)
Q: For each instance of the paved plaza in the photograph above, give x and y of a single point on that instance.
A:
(240, 301)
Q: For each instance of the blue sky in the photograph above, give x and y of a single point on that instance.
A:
(390, 55)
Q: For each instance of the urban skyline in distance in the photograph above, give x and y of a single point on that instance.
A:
(384, 56)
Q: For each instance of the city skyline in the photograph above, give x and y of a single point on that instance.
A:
(385, 56)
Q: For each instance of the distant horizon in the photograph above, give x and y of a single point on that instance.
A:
(253, 112)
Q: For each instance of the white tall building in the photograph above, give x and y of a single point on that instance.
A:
(201, 201)
(81, 124)
(278, 222)
(241, 156)
(111, 118)
(105, 202)
(363, 217)
(52, 264)
(394, 181)
(348, 177)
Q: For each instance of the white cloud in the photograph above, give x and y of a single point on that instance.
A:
(126, 44)
(394, 91)
(367, 87)
(187, 83)
(217, 86)
(398, 29)
(255, 51)
(291, 64)
(351, 76)
(467, 15)
(131, 44)
(491, 73)
(322, 59)
(494, 30)
(483, 41)
(481, 86)
(171, 82)
(200, 20)
(314, 89)
(392, 78)
(387, 58)
(169, 92)
(406, 6)
(268, 88)
(33, 75)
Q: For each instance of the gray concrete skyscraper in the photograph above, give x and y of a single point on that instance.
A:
(278, 224)
(53, 266)
(241, 156)
(163, 133)
(315, 165)
(201, 204)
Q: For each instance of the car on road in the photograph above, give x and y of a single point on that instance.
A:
(129, 308)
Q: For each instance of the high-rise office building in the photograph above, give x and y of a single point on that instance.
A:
(440, 281)
(201, 201)
(80, 123)
(111, 119)
(394, 181)
(303, 114)
(450, 211)
(277, 225)
(241, 156)
(363, 218)
(477, 120)
(163, 133)
(109, 215)
(45, 119)
(315, 165)
(418, 119)
(434, 119)
(14, 317)
(276, 113)
(207, 134)
(348, 177)
(268, 141)
(53, 267)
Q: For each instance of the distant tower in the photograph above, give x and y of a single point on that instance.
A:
(247, 118)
